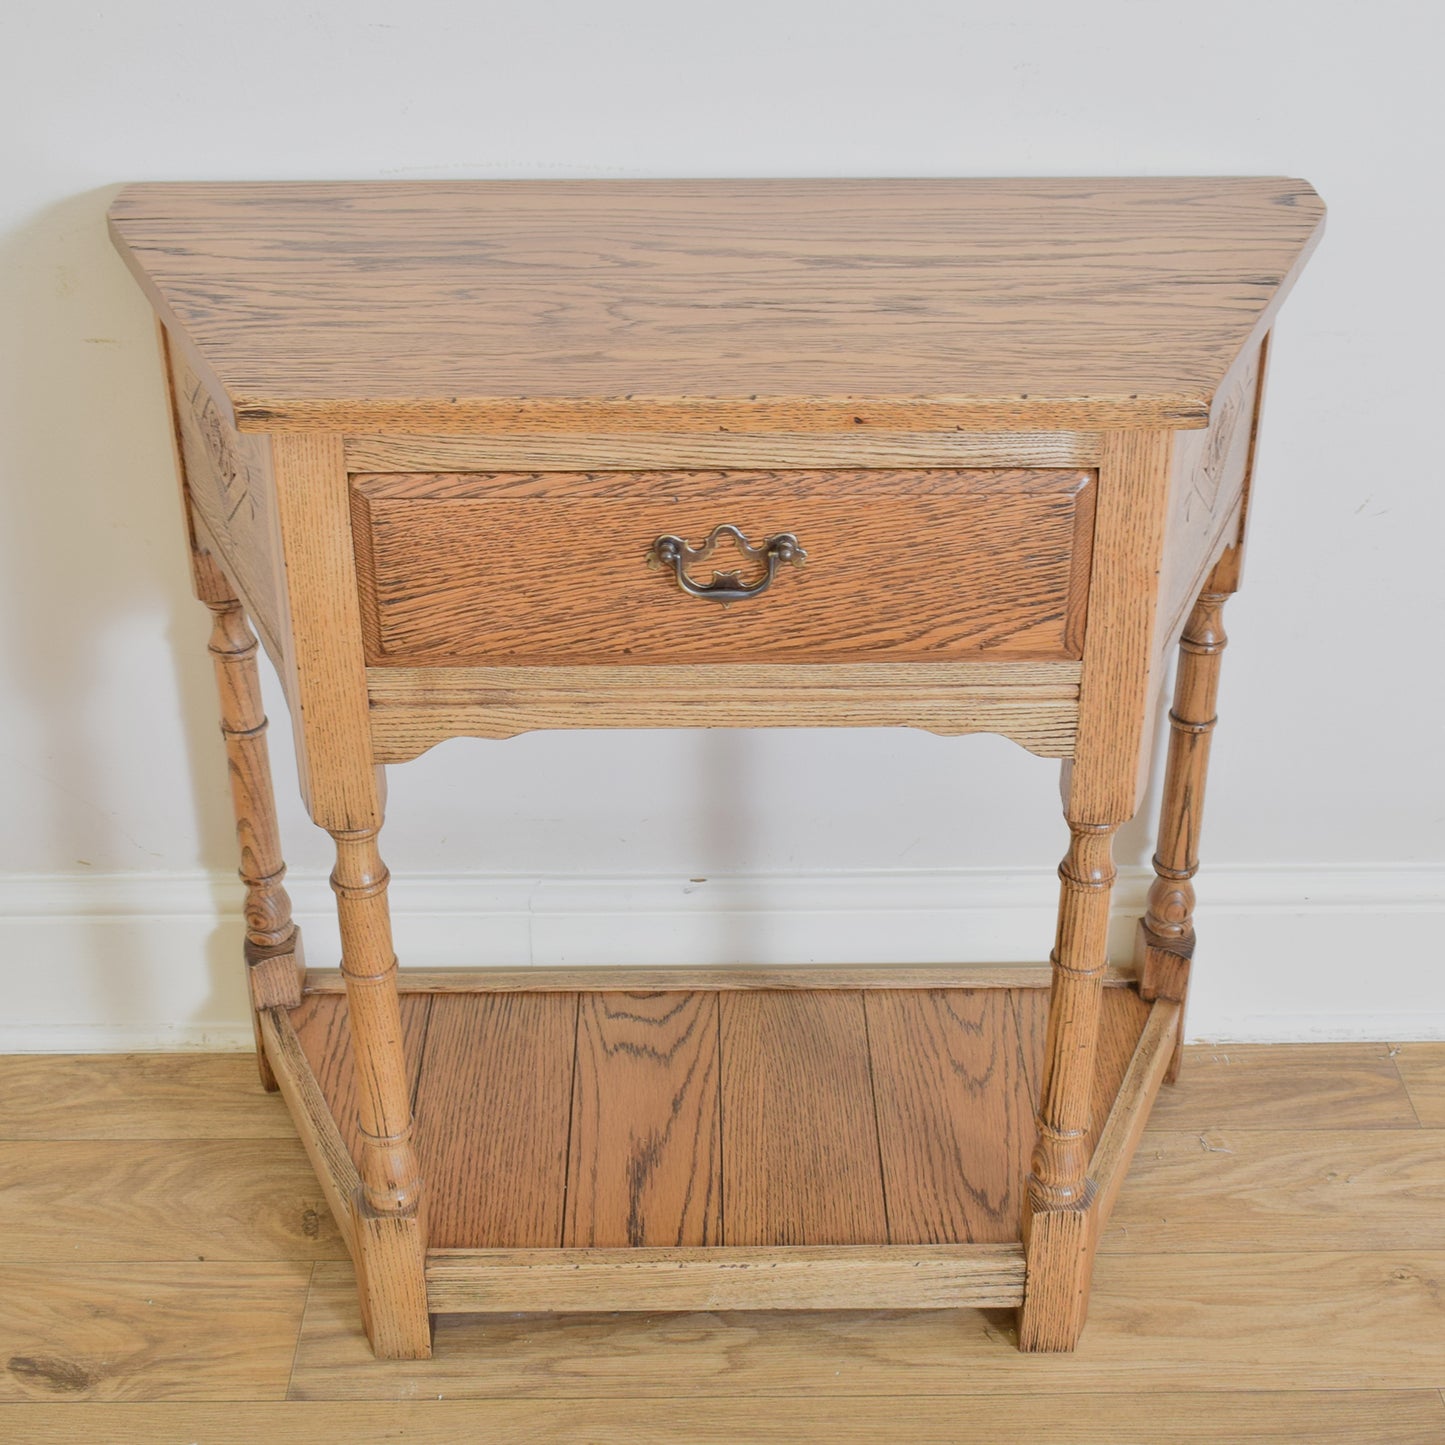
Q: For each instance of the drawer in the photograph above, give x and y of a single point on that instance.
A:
(560, 567)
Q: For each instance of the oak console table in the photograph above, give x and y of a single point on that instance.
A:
(477, 458)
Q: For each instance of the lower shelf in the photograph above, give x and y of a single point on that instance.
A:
(730, 1148)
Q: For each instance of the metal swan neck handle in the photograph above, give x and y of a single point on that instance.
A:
(674, 552)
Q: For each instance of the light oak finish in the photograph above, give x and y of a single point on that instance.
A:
(137, 1096)
(1327, 1086)
(427, 434)
(316, 1122)
(78, 1200)
(1201, 1418)
(463, 1281)
(800, 1160)
(1423, 1068)
(677, 976)
(648, 451)
(148, 1331)
(1277, 1291)
(1034, 703)
(683, 1119)
(551, 569)
(645, 1096)
(1165, 938)
(1252, 1320)
(275, 964)
(493, 1103)
(698, 305)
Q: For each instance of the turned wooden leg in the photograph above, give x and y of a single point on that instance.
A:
(1164, 944)
(391, 1236)
(274, 964)
(1057, 1222)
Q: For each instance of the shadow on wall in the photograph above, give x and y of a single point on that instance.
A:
(99, 605)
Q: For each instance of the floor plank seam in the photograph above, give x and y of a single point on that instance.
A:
(877, 1124)
(300, 1333)
(571, 1123)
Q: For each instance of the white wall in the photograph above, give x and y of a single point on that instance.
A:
(1323, 890)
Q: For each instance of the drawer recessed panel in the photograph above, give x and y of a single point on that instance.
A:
(560, 568)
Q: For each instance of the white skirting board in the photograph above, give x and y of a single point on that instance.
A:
(153, 961)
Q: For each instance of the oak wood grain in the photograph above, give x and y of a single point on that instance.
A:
(229, 487)
(644, 1158)
(1281, 1189)
(790, 1277)
(492, 1118)
(682, 977)
(1210, 472)
(800, 1156)
(1121, 1021)
(137, 1096)
(322, 1027)
(82, 1200)
(955, 1114)
(1288, 1086)
(1212, 1417)
(1159, 1323)
(1036, 704)
(331, 1158)
(681, 305)
(645, 451)
(530, 569)
(1422, 1067)
(151, 1331)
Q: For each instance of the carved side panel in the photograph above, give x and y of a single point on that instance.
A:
(1211, 472)
(228, 479)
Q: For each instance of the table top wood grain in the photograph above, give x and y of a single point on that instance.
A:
(454, 306)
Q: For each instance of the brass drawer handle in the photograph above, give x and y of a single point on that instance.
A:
(675, 553)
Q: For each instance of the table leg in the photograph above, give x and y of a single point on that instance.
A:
(1165, 940)
(1058, 1217)
(274, 964)
(391, 1236)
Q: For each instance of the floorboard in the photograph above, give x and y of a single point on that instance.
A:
(70, 1201)
(800, 1160)
(1316, 1086)
(1287, 1418)
(955, 1114)
(1422, 1068)
(492, 1114)
(150, 1331)
(1230, 1188)
(1225, 1313)
(137, 1096)
(645, 1158)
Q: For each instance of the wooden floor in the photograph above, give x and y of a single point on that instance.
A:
(746, 1117)
(1274, 1270)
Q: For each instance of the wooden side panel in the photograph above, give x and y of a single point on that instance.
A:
(492, 1116)
(230, 488)
(955, 1115)
(321, 1025)
(551, 568)
(645, 1159)
(800, 1141)
(1211, 470)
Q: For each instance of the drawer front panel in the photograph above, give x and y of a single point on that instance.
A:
(553, 568)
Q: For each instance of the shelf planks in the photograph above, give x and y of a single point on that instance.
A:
(737, 1118)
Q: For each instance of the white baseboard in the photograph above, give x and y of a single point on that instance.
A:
(152, 961)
